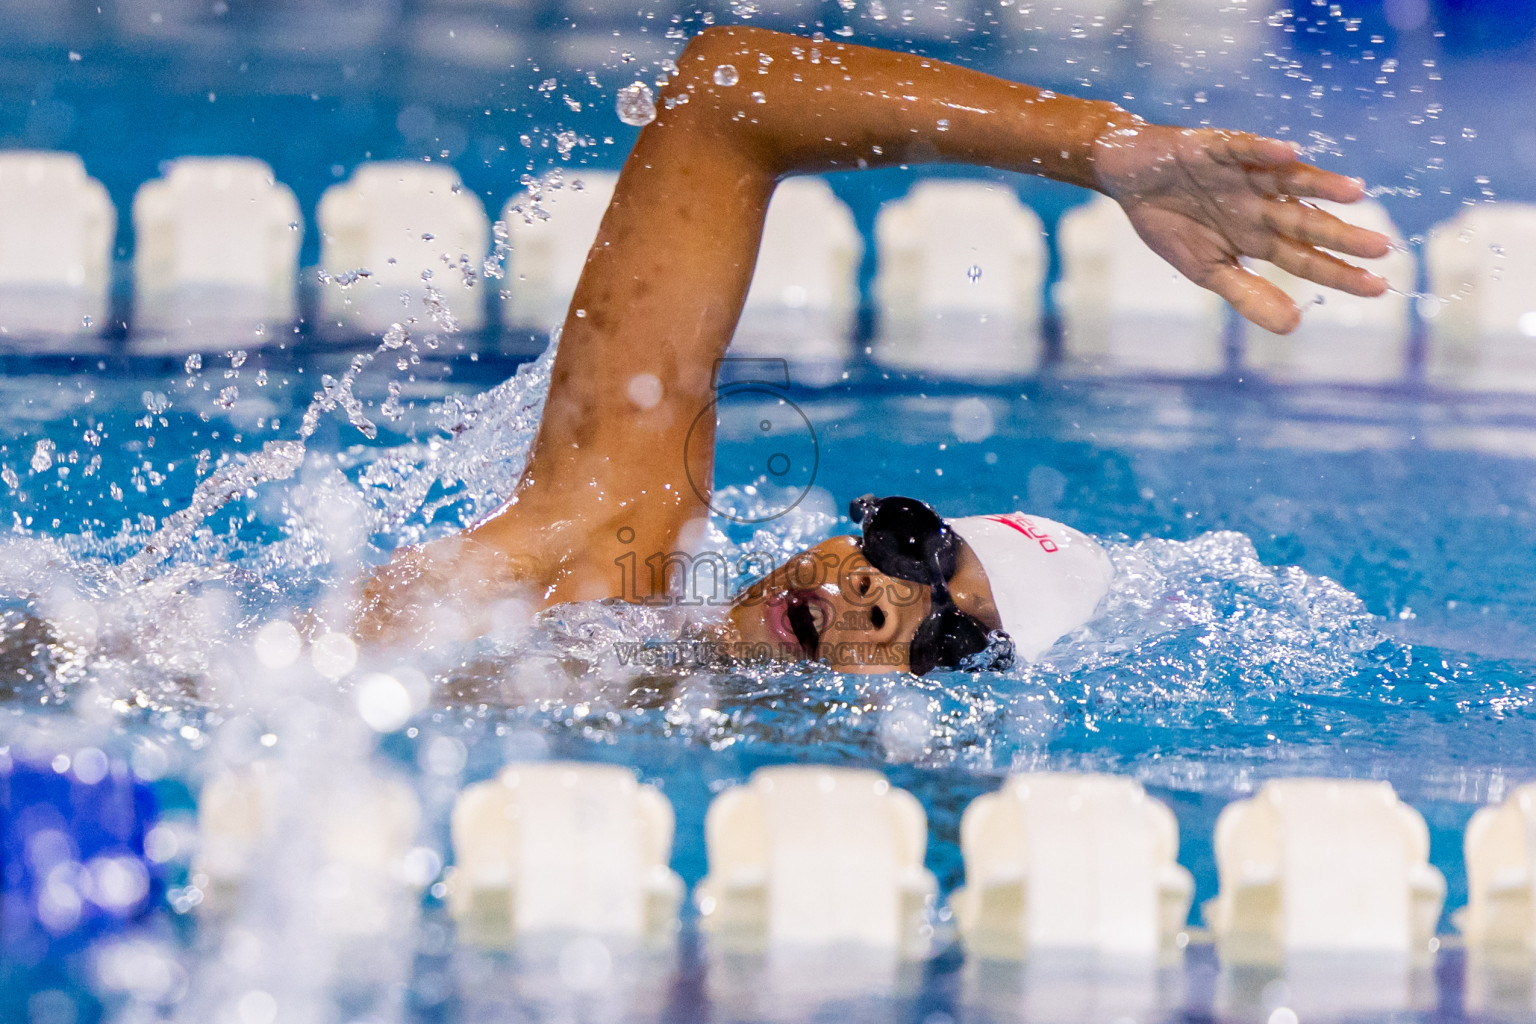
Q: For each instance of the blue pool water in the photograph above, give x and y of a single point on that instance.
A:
(1311, 581)
(1327, 581)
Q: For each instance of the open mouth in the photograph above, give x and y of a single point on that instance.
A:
(808, 617)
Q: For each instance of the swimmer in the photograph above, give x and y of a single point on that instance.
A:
(663, 286)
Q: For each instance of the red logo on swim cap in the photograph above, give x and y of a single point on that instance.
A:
(1019, 521)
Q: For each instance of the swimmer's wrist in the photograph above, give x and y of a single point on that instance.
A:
(1119, 127)
(1076, 133)
(1125, 151)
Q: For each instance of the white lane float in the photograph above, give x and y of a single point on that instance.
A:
(57, 228)
(402, 241)
(960, 260)
(216, 256)
(563, 847)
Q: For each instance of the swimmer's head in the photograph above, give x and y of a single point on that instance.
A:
(916, 593)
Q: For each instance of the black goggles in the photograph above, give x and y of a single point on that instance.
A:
(906, 539)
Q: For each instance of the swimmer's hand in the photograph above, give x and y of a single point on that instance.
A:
(1202, 199)
(396, 599)
(447, 592)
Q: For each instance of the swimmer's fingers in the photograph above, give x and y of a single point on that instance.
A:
(1309, 225)
(1253, 297)
(1303, 181)
(1307, 182)
(1276, 168)
(1247, 149)
(1326, 269)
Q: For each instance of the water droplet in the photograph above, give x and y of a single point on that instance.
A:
(333, 655)
(943, 124)
(1469, 133)
(636, 105)
(726, 75)
(42, 456)
(758, 97)
(86, 322)
(383, 702)
(972, 420)
(194, 362)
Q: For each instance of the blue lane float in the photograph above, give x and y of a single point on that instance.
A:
(73, 867)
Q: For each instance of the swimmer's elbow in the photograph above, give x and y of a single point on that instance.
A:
(704, 104)
(717, 44)
(695, 93)
(691, 110)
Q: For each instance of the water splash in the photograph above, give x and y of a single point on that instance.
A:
(278, 460)
(475, 459)
(1192, 633)
(1197, 630)
(171, 602)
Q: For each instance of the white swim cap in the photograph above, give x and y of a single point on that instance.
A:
(1047, 578)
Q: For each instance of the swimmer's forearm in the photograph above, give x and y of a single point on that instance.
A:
(798, 106)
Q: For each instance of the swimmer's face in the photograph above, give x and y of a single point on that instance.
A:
(829, 604)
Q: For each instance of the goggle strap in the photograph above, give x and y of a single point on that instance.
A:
(940, 588)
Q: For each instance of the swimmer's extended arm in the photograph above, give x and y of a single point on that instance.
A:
(665, 281)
